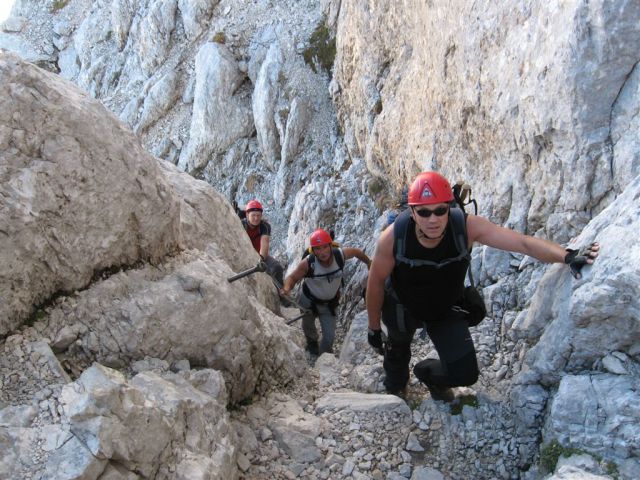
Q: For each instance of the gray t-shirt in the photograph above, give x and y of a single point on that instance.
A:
(326, 286)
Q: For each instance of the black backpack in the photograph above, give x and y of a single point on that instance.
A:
(472, 302)
(239, 211)
(458, 220)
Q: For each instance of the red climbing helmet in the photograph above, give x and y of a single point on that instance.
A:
(429, 188)
(320, 237)
(253, 205)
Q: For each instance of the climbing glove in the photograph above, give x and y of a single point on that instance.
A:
(576, 259)
(376, 341)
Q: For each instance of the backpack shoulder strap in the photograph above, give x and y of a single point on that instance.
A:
(458, 221)
(337, 253)
(265, 228)
(400, 226)
(311, 261)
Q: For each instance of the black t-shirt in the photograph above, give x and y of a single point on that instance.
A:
(428, 291)
(255, 233)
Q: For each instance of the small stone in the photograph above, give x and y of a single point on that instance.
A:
(413, 444)
(348, 467)
(614, 365)
(243, 462)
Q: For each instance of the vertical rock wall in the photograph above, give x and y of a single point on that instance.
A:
(528, 100)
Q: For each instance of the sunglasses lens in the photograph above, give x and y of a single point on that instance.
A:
(438, 212)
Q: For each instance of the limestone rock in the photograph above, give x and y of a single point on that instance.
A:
(159, 100)
(219, 118)
(175, 311)
(577, 311)
(122, 13)
(196, 15)
(296, 125)
(70, 167)
(426, 473)
(155, 33)
(265, 97)
(295, 430)
(607, 406)
(134, 422)
(73, 460)
(468, 89)
(364, 402)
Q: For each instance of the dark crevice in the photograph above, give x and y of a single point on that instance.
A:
(39, 310)
(609, 140)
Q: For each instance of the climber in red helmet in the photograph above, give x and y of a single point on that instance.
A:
(322, 271)
(259, 232)
(417, 278)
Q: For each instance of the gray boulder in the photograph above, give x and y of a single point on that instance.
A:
(78, 193)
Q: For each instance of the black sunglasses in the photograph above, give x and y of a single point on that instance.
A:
(426, 213)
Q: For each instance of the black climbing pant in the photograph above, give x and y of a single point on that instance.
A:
(449, 332)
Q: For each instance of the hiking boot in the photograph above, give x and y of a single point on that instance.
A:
(397, 391)
(312, 347)
(439, 392)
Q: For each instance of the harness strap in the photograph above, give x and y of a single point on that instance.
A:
(400, 317)
(458, 224)
(315, 299)
(311, 259)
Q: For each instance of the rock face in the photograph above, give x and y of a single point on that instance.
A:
(176, 311)
(594, 372)
(153, 424)
(80, 196)
(69, 167)
(134, 423)
(219, 119)
(226, 90)
(469, 89)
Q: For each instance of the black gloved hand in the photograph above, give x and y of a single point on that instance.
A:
(576, 259)
(375, 340)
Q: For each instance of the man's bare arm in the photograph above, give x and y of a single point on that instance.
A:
(294, 277)
(381, 267)
(357, 253)
(482, 230)
(264, 245)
